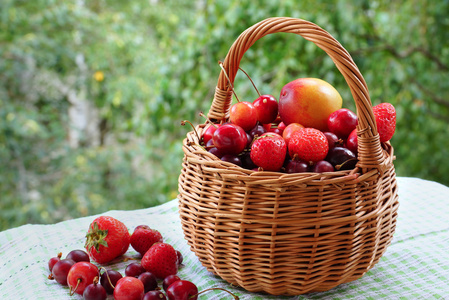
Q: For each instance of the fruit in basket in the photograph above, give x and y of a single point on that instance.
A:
(268, 151)
(230, 139)
(81, 275)
(309, 102)
(143, 237)
(385, 115)
(308, 144)
(323, 166)
(341, 158)
(243, 114)
(332, 139)
(296, 165)
(289, 130)
(267, 109)
(129, 288)
(351, 142)
(106, 239)
(161, 260)
(209, 133)
(342, 122)
(232, 159)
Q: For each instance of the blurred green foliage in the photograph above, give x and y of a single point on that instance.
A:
(144, 66)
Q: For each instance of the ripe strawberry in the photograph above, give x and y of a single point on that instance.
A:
(161, 260)
(385, 115)
(106, 239)
(268, 151)
(308, 144)
(144, 237)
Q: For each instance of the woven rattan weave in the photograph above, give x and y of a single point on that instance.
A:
(289, 234)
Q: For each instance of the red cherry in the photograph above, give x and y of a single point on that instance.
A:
(81, 275)
(61, 269)
(182, 290)
(169, 280)
(230, 139)
(267, 108)
(52, 261)
(351, 142)
(78, 255)
(209, 132)
(154, 295)
(244, 115)
(129, 288)
(95, 291)
(323, 166)
(342, 122)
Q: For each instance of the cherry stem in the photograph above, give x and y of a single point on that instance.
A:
(107, 275)
(183, 123)
(59, 254)
(72, 292)
(207, 119)
(251, 81)
(229, 80)
(216, 288)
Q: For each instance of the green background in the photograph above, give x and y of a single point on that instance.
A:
(144, 66)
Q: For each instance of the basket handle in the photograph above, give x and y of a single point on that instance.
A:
(370, 152)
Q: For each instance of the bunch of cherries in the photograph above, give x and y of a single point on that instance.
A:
(94, 283)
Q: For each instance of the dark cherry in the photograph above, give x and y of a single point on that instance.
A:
(247, 162)
(180, 257)
(134, 270)
(332, 139)
(232, 159)
(169, 280)
(182, 290)
(296, 166)
(215, 152)
(61, 270)
(78, 255)
(323, 166)
(114, 276)
(95, 291)
(149, 281)
(341, 158)
(257, 130)
(154, 295)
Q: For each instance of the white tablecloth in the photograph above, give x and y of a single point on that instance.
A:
(415, 266)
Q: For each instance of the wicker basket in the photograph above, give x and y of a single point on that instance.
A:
(289, 234)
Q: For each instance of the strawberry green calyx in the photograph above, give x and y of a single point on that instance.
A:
(96, 237)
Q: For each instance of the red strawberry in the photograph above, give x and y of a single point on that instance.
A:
(144, 237)
(268, 151)
(106, 239)
(161, 260)
(385, 115)
(308, 144)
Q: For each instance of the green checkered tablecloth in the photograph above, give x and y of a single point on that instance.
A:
(415, 266)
